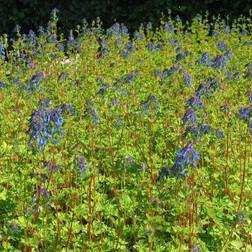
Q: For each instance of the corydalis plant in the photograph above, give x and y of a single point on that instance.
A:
(185, 158)
(44, 124)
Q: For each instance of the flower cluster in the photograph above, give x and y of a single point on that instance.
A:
(151, 102)
(45, 123)
(190, 118)
(194, 102)
(221, 45)
(94, 115)
(168, 72)
(185, 158)
(83, 166)
(219, 61)
(188, 156)
(91, 111)
(104, 50)
(152, 47)
(103, 88)
(44, 193)
(2, 52)
(202, 129)
(168, 27)
(250, 96)
(245, 114)
(127, 50)
(139, 36)
(66, 107)
(72, 44)
(187, 79)
(2, 85)
(207, 88)
(117, 30)
(205, 59)
(120, 83)
(34, 83)
(240, 216)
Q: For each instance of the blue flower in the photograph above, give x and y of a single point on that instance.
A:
(35, 81)
(168, 27)
(44, 193)
(124, 29)
(51, 38)
(37, 78)
(205, 59)
(185, 158)
(228, 55)
(151, 102)
(197, 130)
(2, 52)
(219, 134)
(250, 96)
(119, 42)
(219, 61)
(103, 89)
(117, 30)
(190, 117)
(245, 113)
(153, 47)
(154, 101)
(145, 107)
(222, 45)
(66, 107)
(15, 228)
(164, 172)
(193, 102)
(139, 36)
(173, 41)
(94, 115)
(129, 161)
(2, 85)
(125, 52)
(207, 87)
(240, 216)
(61, 47)
(104, 51)
(168, 72)
(44, 123)
(83, 166)
(157, 73)
(187, 79)
(159, 46)
(177, 18)
(72, 43)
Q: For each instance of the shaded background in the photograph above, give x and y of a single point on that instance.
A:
(30, 14)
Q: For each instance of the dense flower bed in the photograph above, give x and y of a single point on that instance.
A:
(112, 143)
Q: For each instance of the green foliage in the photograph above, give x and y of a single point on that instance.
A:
(102, 148)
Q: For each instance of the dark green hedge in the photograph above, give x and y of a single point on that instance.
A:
(29, 14)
